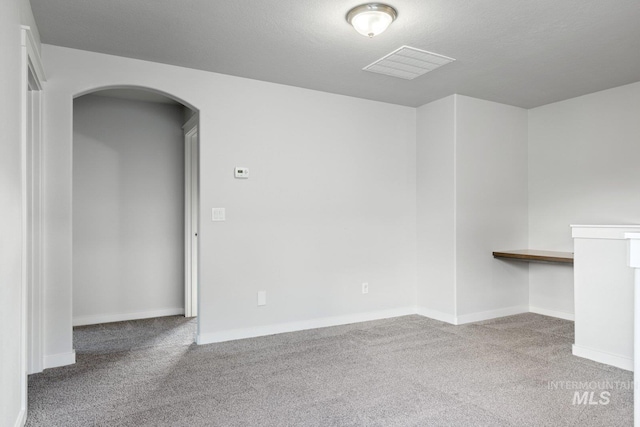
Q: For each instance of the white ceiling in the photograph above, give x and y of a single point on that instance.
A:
(520, 52)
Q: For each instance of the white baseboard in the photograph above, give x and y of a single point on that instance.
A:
(121, 317)
(22, 418)
(436, 315)
(60, 359)
(622, 362)
(491, 314)
(553, 313)
(259, 331)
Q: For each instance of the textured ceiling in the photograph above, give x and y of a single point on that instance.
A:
(523, 53)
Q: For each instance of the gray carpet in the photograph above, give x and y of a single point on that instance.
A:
(408, 371)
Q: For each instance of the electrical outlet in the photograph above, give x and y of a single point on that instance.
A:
(262, 297)
(365, 288)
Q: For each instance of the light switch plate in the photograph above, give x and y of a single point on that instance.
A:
(240, 172)
(218, 214)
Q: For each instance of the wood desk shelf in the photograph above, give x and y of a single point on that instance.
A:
(535, 255)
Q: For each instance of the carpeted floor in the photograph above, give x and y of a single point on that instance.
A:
(407, 371)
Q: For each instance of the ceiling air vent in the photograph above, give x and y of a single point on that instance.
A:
(408, 63)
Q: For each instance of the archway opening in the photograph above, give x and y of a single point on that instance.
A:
(134, 214)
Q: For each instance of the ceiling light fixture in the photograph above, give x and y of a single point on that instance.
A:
(371, 19)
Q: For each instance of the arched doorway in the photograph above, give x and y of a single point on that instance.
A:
(130, 233)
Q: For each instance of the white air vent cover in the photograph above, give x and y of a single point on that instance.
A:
(408, 63)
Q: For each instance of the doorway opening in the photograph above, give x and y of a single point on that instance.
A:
(134, 253)
(191, 206)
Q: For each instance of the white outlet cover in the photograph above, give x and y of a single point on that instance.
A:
(262, 297)
(218, 214)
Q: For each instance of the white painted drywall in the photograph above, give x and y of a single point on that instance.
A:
(491, 205)
(10, 215)
(14, 14)
(26, 17)
(128, 209)
(330, 202)
(435, 195)
(582, 170)
(604, 294)
(472, 200)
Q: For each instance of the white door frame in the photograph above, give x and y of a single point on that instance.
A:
(191, 220)
(31, 327)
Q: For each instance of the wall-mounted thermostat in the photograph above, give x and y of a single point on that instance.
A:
(241, 173)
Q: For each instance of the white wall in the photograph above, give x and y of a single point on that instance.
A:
(26, 16)
(10, 215)
(330, 202)
(582, 170)
(435, 158)
(472, 200)
(491, 206)
(128, 209)
(12, 371)
(604, 294)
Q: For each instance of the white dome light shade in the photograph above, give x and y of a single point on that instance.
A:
(371, 19)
